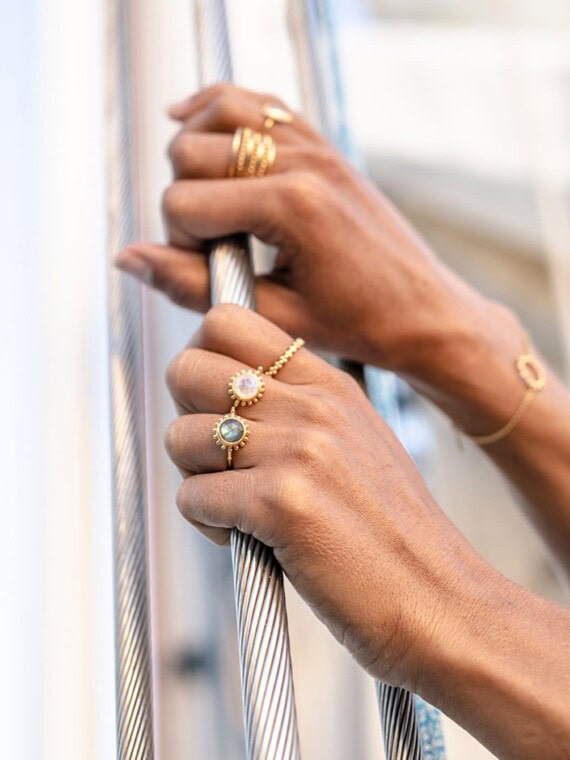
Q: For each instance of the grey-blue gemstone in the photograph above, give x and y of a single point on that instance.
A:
(231, 430)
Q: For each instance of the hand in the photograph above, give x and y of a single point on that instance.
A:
(324, 482)
(350, 274)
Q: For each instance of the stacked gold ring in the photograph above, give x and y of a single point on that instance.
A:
(252, 155)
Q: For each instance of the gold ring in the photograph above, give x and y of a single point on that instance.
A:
(252, 153)
(231, 432)
(275, 115)
(246, 387)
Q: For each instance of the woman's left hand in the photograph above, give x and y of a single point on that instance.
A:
(324, 482)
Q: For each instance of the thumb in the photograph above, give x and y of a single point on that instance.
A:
(181, 275)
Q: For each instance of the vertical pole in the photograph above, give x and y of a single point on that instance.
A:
(402, 716)
(132, 629)
(265, 660)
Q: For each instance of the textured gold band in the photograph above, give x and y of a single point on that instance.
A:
(285, 356)
(252, 154)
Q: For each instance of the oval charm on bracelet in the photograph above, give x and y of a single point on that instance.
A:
(531, 371)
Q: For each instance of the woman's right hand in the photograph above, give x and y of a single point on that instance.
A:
(351, 275)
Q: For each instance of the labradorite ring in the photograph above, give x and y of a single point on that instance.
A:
(231, 433)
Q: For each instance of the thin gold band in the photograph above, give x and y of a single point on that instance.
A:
(285, 356)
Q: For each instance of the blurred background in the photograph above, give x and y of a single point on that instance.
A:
(461, 112)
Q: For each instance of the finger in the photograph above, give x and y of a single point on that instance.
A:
(227, 114)
(250, 338)
(198, 382)
(200, 210)
(224, 108)
(186, 107)
(190, 444)
(183, 276)
(197, 155)
(229, 499)
(180, 274)
(282, 207)
(227, 103)
(219, 536)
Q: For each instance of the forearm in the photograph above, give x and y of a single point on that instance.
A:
(503, 671)
(474, 381)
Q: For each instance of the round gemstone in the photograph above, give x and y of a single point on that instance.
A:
(246, 387)
(232, 430)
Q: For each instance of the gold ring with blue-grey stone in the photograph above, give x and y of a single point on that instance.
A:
(231, 433)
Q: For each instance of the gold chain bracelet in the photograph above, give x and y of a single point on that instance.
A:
(533, 375)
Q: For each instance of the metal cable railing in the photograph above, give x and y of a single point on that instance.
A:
(269, 707)
(265, 660)
(404, 720)
(132, 628)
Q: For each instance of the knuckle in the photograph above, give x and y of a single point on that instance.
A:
(305, 193)
(346, 384)
(175, 373)
(225, 109)
(178, 150)
(185, 373)
(172, 438)
(217, 321)
(327, 161)
(287, 492)
(313, 448)
(172, 200)
(219, 89)
(318, 408)
(184, 500)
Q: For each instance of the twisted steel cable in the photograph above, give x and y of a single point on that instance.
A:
(265, 661)
(399, 723)
(405, 719)
(132, 629)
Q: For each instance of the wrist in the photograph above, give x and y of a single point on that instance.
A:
(503, 663)
(468, 371)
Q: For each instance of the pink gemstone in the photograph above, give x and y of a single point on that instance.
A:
(246, 387)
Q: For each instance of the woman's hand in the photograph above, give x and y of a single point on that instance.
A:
(325, 483)
(353, 278)
(350, 274)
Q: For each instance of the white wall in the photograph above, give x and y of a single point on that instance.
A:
(56, 637)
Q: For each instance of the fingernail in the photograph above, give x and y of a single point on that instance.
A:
(133, 261)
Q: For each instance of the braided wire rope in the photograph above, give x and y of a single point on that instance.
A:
(411, 728)
(132, 627)
(265, 661)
